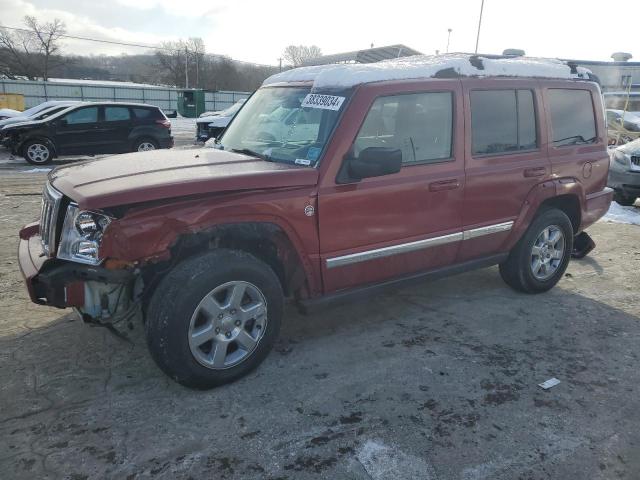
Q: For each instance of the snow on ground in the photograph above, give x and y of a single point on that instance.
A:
(383, 462)
(424, 66)
(620, 214)
(182, 126)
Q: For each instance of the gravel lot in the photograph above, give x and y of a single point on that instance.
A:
(437, 381)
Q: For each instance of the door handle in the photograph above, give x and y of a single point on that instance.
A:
(535, 172)
(451, 184)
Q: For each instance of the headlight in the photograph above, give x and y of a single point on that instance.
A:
(81, 235)
(622, 158)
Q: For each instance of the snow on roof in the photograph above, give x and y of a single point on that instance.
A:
(426, 66)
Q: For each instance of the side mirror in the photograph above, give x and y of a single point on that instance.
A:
(62, 123)
(372, 162)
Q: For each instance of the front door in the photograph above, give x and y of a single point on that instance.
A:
(78, 132)
(394, 225)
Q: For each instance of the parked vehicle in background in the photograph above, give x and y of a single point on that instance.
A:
(10, 113)
(426, 167)
(90, 128)
(212, 125)
(38, 116)
(622, 126)
(624, 173)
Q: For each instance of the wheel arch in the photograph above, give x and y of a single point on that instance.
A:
(43, 138)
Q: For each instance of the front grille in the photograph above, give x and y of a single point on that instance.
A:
(51, 199)
(635, 159)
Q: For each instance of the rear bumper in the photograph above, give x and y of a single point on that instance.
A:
(596, 205)
(166, 142)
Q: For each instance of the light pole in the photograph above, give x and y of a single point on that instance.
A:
(479, 25)
(449, 30)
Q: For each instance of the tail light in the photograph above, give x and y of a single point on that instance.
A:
(165, 123)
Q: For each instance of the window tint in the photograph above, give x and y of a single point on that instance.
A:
(572, 119)
(146, 113)
(420, 125)
(116, 114)
(83, 115)
(502, 121)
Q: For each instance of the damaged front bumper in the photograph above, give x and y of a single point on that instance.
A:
(62, 284)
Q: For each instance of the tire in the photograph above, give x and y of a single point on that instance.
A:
(145, 144)
(198, 296)
(622, 199)
(37, 152)
(521, 272)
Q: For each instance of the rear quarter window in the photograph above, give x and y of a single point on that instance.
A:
(148, 114)
(572, 117)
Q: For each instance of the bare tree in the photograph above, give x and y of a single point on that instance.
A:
(48, 37)
(18, 54)
(296, 55)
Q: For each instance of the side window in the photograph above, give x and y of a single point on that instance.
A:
(116, 114)
(143, 113)
(572, 118)
(83, 115)
(502, 121)
(418, 124)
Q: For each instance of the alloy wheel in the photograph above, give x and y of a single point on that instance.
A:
(146, 146)
(38, 153)
(227, 325)
(547, 252)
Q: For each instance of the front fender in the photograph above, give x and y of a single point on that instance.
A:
(147, 236)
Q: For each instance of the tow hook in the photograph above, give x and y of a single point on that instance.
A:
(582, 245)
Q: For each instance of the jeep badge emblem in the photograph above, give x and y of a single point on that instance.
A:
(309, 210)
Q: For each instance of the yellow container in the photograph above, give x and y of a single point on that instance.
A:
(14, 101)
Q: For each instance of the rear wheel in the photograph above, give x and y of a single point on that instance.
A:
(37, 152)
(214, 318)
(540, 258)
(622, 199)
(145, 145)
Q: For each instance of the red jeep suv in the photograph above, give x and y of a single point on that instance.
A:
(331, 181)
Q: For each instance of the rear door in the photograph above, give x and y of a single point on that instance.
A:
(504, 159)
(78, 132)
(115, 126)
(391, 226)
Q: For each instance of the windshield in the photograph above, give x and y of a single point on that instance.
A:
(232, 109)
(287, 125)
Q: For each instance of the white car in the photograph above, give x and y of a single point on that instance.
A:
(10, 113)
(212, 125)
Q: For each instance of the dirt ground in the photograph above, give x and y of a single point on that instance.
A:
(436, 381)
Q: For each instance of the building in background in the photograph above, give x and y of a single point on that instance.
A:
(369, 55)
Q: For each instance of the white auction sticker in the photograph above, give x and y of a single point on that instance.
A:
(327, 102)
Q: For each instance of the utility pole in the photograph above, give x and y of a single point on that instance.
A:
(186, 67)
(448, 38)
(280, 61)
(479, 25)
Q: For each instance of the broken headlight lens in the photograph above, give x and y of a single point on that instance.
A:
(81, 235)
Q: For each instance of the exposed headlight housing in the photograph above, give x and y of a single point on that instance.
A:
(82, 233)
(622, 158)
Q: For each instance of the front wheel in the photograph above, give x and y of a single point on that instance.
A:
(37, 152)
(214, 318)
(541, 256)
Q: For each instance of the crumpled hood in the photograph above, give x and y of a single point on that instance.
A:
(159, 174)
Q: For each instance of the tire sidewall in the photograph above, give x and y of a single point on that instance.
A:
(45, 144)
(172, 307)
(545, 219)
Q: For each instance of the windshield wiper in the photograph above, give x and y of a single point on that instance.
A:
(248, 151)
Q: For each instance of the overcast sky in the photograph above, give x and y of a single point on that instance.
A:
(258, 31)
